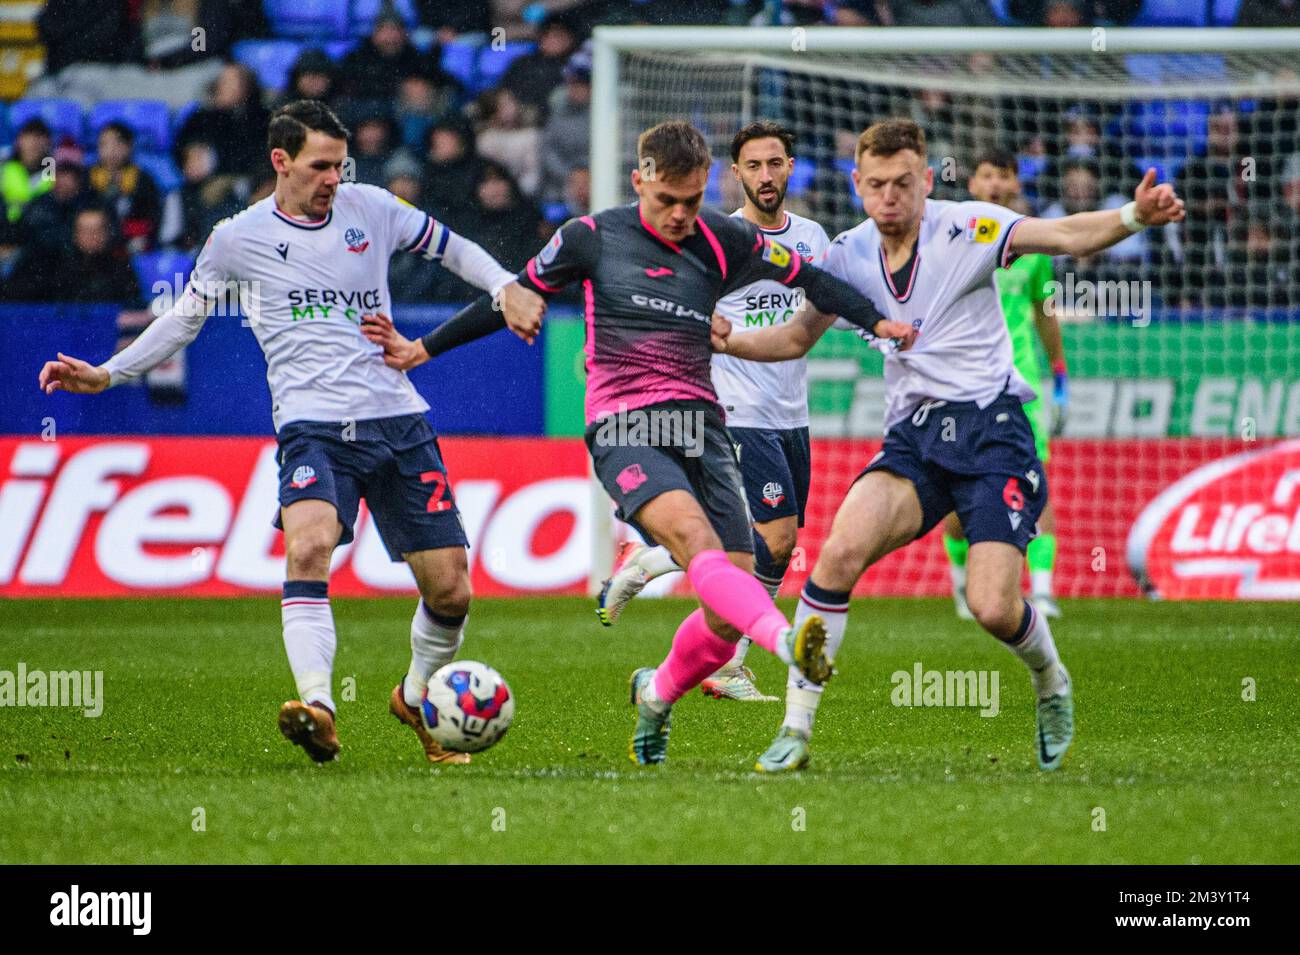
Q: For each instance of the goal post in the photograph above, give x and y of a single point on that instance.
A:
(1183, 343)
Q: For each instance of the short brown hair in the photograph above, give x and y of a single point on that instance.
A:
(291, 122)
(672, 149)
(762, 129)
(890, 136)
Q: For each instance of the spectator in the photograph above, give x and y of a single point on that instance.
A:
(450, 171)
(508, 134)
(1074, 13)
(1213, 187)
(402, 177)
(450, 20)
(1269, 13)
(23, 177)
(125, 188)
(313, 76)
(532, 77)
(167, 32)
(566, 139)
(502, 220)
(371, 148)
(88, 271)
(11, 251)
(410, 277)
(47, 220)
(373, 71)
(916, 13)
(420, 102)
(205, 197)
(86, 31)
(233, 122)
(577, 191)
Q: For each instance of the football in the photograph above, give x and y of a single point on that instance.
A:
(467, 706)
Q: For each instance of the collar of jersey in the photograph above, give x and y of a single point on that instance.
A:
(911, 279)
(300, 224)
(649, 228)
(784, 227)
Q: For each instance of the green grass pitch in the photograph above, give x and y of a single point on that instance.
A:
(1168, 755)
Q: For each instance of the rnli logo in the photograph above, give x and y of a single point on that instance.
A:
(356, 240)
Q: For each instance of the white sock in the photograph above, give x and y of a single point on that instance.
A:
(1040, 582)
(738, 658)
(802, 697)
(958, 577)
(434, 643)
(1037, 651)
(656, 561)
(309, 639)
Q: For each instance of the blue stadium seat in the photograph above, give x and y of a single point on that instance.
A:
(152, 267)
(1225, 13)
(161, 168)
(63, 116)
(1171, 13)
(999, 8)
(308, 19)
(337, 49)
(801, 178)
(271, 60)
(150, 118)
(713, 185)
(460, 59)
(492, 64)
(364, 13)
(183, 114)
(5, 134)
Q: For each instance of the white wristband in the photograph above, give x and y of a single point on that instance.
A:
(1128, 215)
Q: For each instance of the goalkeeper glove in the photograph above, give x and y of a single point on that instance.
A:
(1060, 397)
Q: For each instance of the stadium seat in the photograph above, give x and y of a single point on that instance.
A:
(150, 118)
(308, 19)
(161, 168)
(492, 64)
(63, 116)
(460, 59)
(271, 60)
(364, 12)
(801, 178)
(1225, 13)
(713, 185)
(152, 267)
(1171, 13)
(337, 49)
(5, 134)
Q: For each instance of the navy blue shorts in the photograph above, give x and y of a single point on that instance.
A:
(776, 466)
(394, 463)
(699, 459)
(980, 463)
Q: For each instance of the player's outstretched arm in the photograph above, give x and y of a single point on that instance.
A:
(792, 339)
(1085, 233)
(166, 335)
(74, 376)
(474, 321)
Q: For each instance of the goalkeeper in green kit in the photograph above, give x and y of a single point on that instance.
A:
(1022, 290)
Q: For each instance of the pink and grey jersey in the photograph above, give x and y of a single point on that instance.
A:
(649, 302)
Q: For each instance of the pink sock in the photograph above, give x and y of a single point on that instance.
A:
(737, 598)
(696, 652)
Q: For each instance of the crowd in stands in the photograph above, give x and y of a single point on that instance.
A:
(480, 114)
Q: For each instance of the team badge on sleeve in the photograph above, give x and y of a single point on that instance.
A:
(548, 254)
(776, 253)
(982, 230)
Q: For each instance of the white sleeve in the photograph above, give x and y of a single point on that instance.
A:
(165, 336)
(179, 325)
(418, 232)
(474, 264)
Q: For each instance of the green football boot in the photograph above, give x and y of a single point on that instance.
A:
(1055, 726)
(650, 738)
(788, 752)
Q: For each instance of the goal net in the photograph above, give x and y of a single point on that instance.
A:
(1172, 474)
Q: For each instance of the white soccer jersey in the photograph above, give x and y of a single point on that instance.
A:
(962, 350)
(758, 394)
(303, 287)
